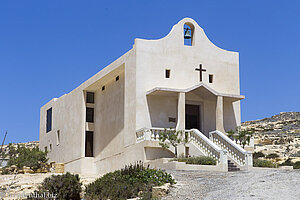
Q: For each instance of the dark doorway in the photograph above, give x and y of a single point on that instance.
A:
(89, 141)
(192, 117)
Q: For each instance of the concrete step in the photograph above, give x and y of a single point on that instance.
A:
(232, 167)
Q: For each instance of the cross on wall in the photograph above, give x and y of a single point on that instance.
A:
(200, 71)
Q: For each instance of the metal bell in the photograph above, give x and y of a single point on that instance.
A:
(187, 34)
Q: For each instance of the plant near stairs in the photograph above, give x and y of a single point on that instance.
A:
(171, 137)
(241, 135)
(199, 160)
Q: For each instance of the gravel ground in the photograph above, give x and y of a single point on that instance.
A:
(255, 184)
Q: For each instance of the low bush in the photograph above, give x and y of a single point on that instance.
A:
(289, 162)
(258, 155)
(264, 163)
(199, 160)
(66, 186)
(129, 182)
(272, 156)
(296, 165)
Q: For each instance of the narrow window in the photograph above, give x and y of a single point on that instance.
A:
(90, 97)
(49, 120)
(57, 137)
(211, 78)
(46, 149)
(117, 78)
(89, 141)
(50, 147)
(103, 87)
(89, 114)
(168, 73)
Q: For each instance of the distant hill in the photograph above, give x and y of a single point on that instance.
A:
(285, 123)
(30, 145)
(278, 134)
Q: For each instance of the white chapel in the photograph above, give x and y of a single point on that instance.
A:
(182, 81)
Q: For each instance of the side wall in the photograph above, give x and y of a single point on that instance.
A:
(114, 121)
(67, 118)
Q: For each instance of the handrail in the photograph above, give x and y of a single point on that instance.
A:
(198, 139)
(225, 137)
(235, 151)
(213, 145)
(206, 146)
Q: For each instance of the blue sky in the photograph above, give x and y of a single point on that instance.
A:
(47, 48)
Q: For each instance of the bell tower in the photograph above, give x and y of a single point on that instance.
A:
(188, 33)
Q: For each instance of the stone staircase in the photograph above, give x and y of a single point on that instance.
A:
(229, 155)
(232, 167)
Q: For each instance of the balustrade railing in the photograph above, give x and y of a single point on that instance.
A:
(149, 134)
(198, 139)
(234, 151)
(206, 146)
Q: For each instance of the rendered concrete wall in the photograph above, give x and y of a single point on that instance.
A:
(109, 119)
(160, 109)
(156, 153)
(230, 122)
(68, 119)
(155, 56)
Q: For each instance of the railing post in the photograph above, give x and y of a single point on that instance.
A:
(211, 137)
(223, 161)
(147, 133)
(249, 161)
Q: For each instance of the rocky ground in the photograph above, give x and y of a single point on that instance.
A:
(278, 134)
(255, 184)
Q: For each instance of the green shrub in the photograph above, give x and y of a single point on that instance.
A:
(289, 162)
(127, 183)
(22, 156)
(199, 160)
(272, 156)
(296, 165)
(66, 186)
(258, 155)
(264, 163)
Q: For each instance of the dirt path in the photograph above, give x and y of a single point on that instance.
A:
(256, 184)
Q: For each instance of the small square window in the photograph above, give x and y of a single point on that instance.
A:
(103, 87)
(90, 97)
(117, 78)
(211, 77)
(168, 73)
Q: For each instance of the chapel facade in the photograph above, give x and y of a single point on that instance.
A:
(182, 81)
